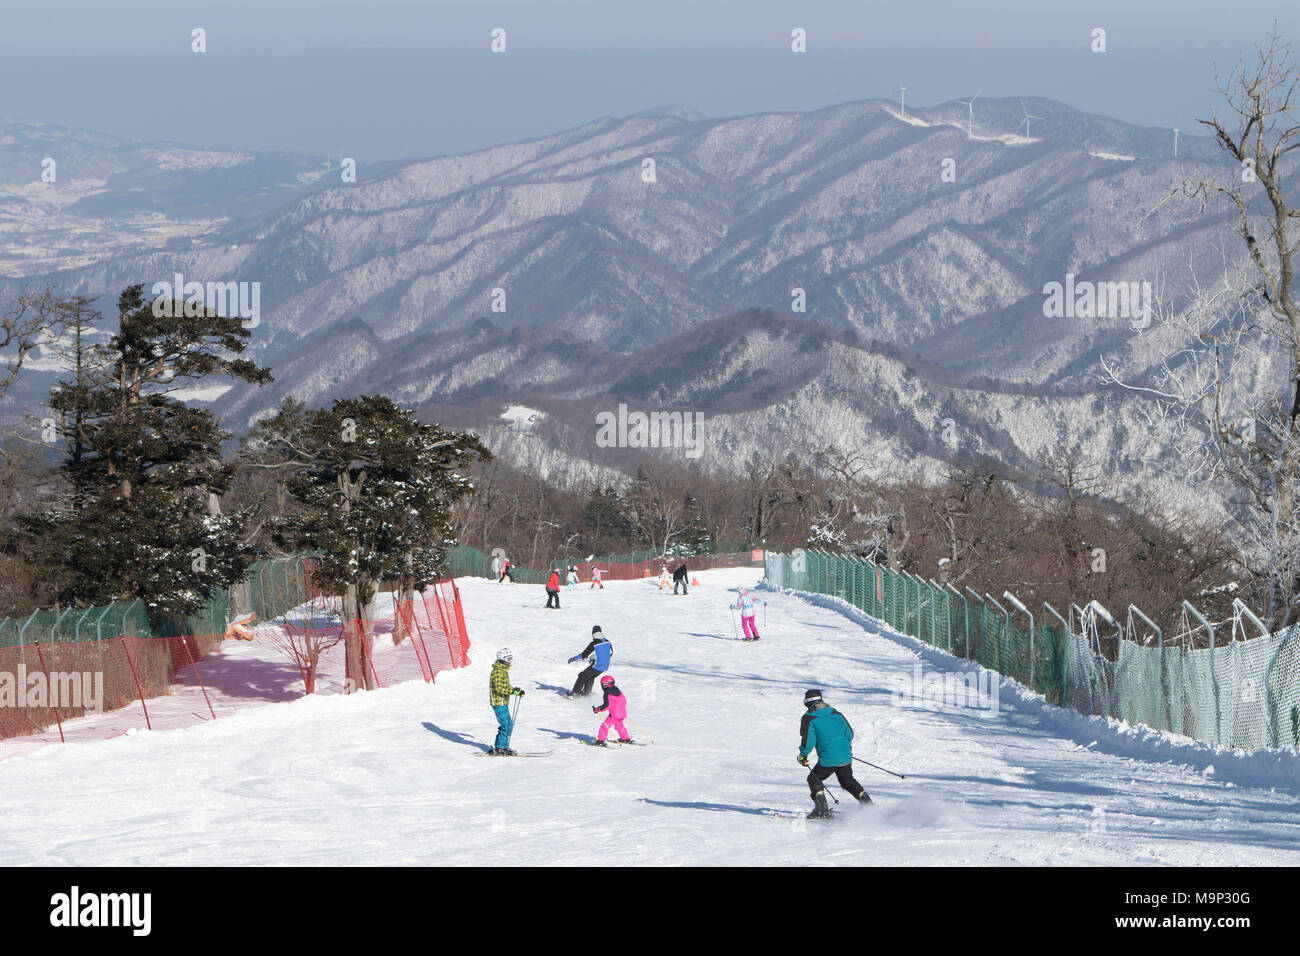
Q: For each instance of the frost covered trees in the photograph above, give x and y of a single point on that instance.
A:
(142, 470)
(376, 490)
(1228, 387)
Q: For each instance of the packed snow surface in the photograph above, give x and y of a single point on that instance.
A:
(398, 777)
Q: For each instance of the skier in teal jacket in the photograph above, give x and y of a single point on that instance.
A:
(825, 730)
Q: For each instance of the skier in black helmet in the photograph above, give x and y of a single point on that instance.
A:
(600, 650)
(825, 730)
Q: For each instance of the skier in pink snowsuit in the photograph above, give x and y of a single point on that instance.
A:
(616, 703)
(595, 578)
(747, 607)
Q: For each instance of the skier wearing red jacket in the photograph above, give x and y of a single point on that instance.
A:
(553, 589)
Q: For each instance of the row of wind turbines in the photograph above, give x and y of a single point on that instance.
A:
(970, 116)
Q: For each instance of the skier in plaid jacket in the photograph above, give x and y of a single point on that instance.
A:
(499, 693)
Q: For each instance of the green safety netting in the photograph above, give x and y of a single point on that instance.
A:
(274, 587)
(73, 625)
(1239, 692)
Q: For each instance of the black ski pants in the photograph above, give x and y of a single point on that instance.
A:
(843, 773)
(552, 596)
(582, 686)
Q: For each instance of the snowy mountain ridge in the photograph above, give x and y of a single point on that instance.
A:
(525, 273)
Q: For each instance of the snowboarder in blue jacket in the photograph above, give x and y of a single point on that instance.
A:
(825, 730)
(600, 651)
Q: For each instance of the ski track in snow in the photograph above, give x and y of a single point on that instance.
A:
(395, 777)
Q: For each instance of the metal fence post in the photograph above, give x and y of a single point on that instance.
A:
(1133, 609)
(1067, 640)
(1006, 626)
(1214, 679)
(1024, 610)
(979, 647)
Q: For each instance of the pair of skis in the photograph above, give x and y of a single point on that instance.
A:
(830, 813)
(625, 743)
(536, 753)
(782, 815)
(547, 753)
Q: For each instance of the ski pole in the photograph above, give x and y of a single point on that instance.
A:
(642, 729)
(514, 714)
(825, 789)
(734, 632)
(870, 764)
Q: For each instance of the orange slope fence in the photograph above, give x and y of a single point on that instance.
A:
(91, 690)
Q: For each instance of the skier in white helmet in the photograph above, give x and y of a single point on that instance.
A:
(500, 691)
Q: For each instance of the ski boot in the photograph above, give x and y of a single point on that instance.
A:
(599, 743)
(625, 740)
(492, 751)
(505, 752)
(820, 811)
(863, 798)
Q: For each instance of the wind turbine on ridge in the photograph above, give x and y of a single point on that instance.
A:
(1028, 117)
(970, 113)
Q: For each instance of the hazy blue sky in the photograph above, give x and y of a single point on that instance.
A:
(383, 79)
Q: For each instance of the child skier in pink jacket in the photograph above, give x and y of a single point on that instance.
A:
(616, 703)
(746, 604)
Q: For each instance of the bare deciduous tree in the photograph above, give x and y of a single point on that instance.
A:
(1227, 391)
(306, 633)
(33, 317)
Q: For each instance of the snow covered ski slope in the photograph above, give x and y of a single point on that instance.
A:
(396, 776)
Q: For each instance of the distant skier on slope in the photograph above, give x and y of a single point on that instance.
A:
(506, 572)
(679, 578)
(499, 693)
(615, 703)
(664, 580)
(553, 589)
(595, 578)
(824, 729)
(600, 651)
(571, 578)
(746, 604)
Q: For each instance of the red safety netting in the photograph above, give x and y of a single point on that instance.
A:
(436, 625)
(630, 571)
(92, 690)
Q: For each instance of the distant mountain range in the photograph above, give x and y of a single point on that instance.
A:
(849, 274)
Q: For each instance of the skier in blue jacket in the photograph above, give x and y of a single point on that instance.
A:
(600, 651)
(825, 730)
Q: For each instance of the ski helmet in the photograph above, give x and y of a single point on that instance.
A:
(596, 630)
(813, 696)
(607, 681)
(505, 656)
